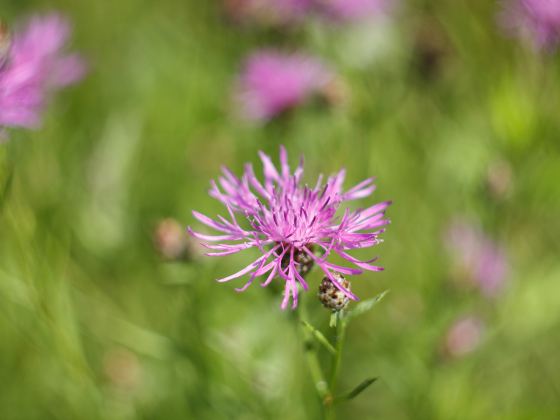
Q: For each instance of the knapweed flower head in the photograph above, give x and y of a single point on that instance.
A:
(269, 12)
(481, 259)
(539, 20)
(354, 10)
(33, 66)
(292, 225)
(273, 82)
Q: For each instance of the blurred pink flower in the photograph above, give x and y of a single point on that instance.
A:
(35, 65)
(464, 336)
(354, 10)
(273, 82)
(269, 12)
(481, 258)
(537, 19)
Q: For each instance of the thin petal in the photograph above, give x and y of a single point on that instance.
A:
(270, 171)
(362, 264)
(285, 300)
(284, 163)
(211, 237)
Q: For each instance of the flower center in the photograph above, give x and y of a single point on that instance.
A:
(303, 261)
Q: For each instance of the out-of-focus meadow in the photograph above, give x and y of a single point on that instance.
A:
(456, 119)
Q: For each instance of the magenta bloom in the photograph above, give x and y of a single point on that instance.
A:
(481, 258)
(273, 82)
(35, 65)
(354, 10)
(538, 19)
(288, 222)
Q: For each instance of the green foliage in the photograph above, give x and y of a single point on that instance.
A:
(361, 387)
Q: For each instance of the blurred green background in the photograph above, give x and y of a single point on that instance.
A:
(94, 325)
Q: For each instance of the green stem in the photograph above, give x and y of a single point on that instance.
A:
(312, 359)
(340, 336)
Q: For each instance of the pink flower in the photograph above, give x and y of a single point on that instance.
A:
(537, 19)
(287, 222)
(273, 82)
(482, 259)
(35, 65)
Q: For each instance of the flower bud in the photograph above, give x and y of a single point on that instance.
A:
(500, 179)
(330, 296)
(463, 337)
(335, 92)
(171, 241)
(123, 369)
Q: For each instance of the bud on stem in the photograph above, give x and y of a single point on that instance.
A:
(330, 296)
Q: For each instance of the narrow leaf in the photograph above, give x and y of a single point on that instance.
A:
(356, 391)
(333, 320)
(366, 305)
(6, 188)
(318, 335)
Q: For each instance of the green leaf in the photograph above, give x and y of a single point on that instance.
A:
(5, 191)
(366, 305)
(356, 391)
(333, 320)
(318, 335)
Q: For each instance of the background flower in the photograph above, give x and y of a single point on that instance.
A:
(272, 82)
(35, 66)
(481, 259)
(537, 19)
